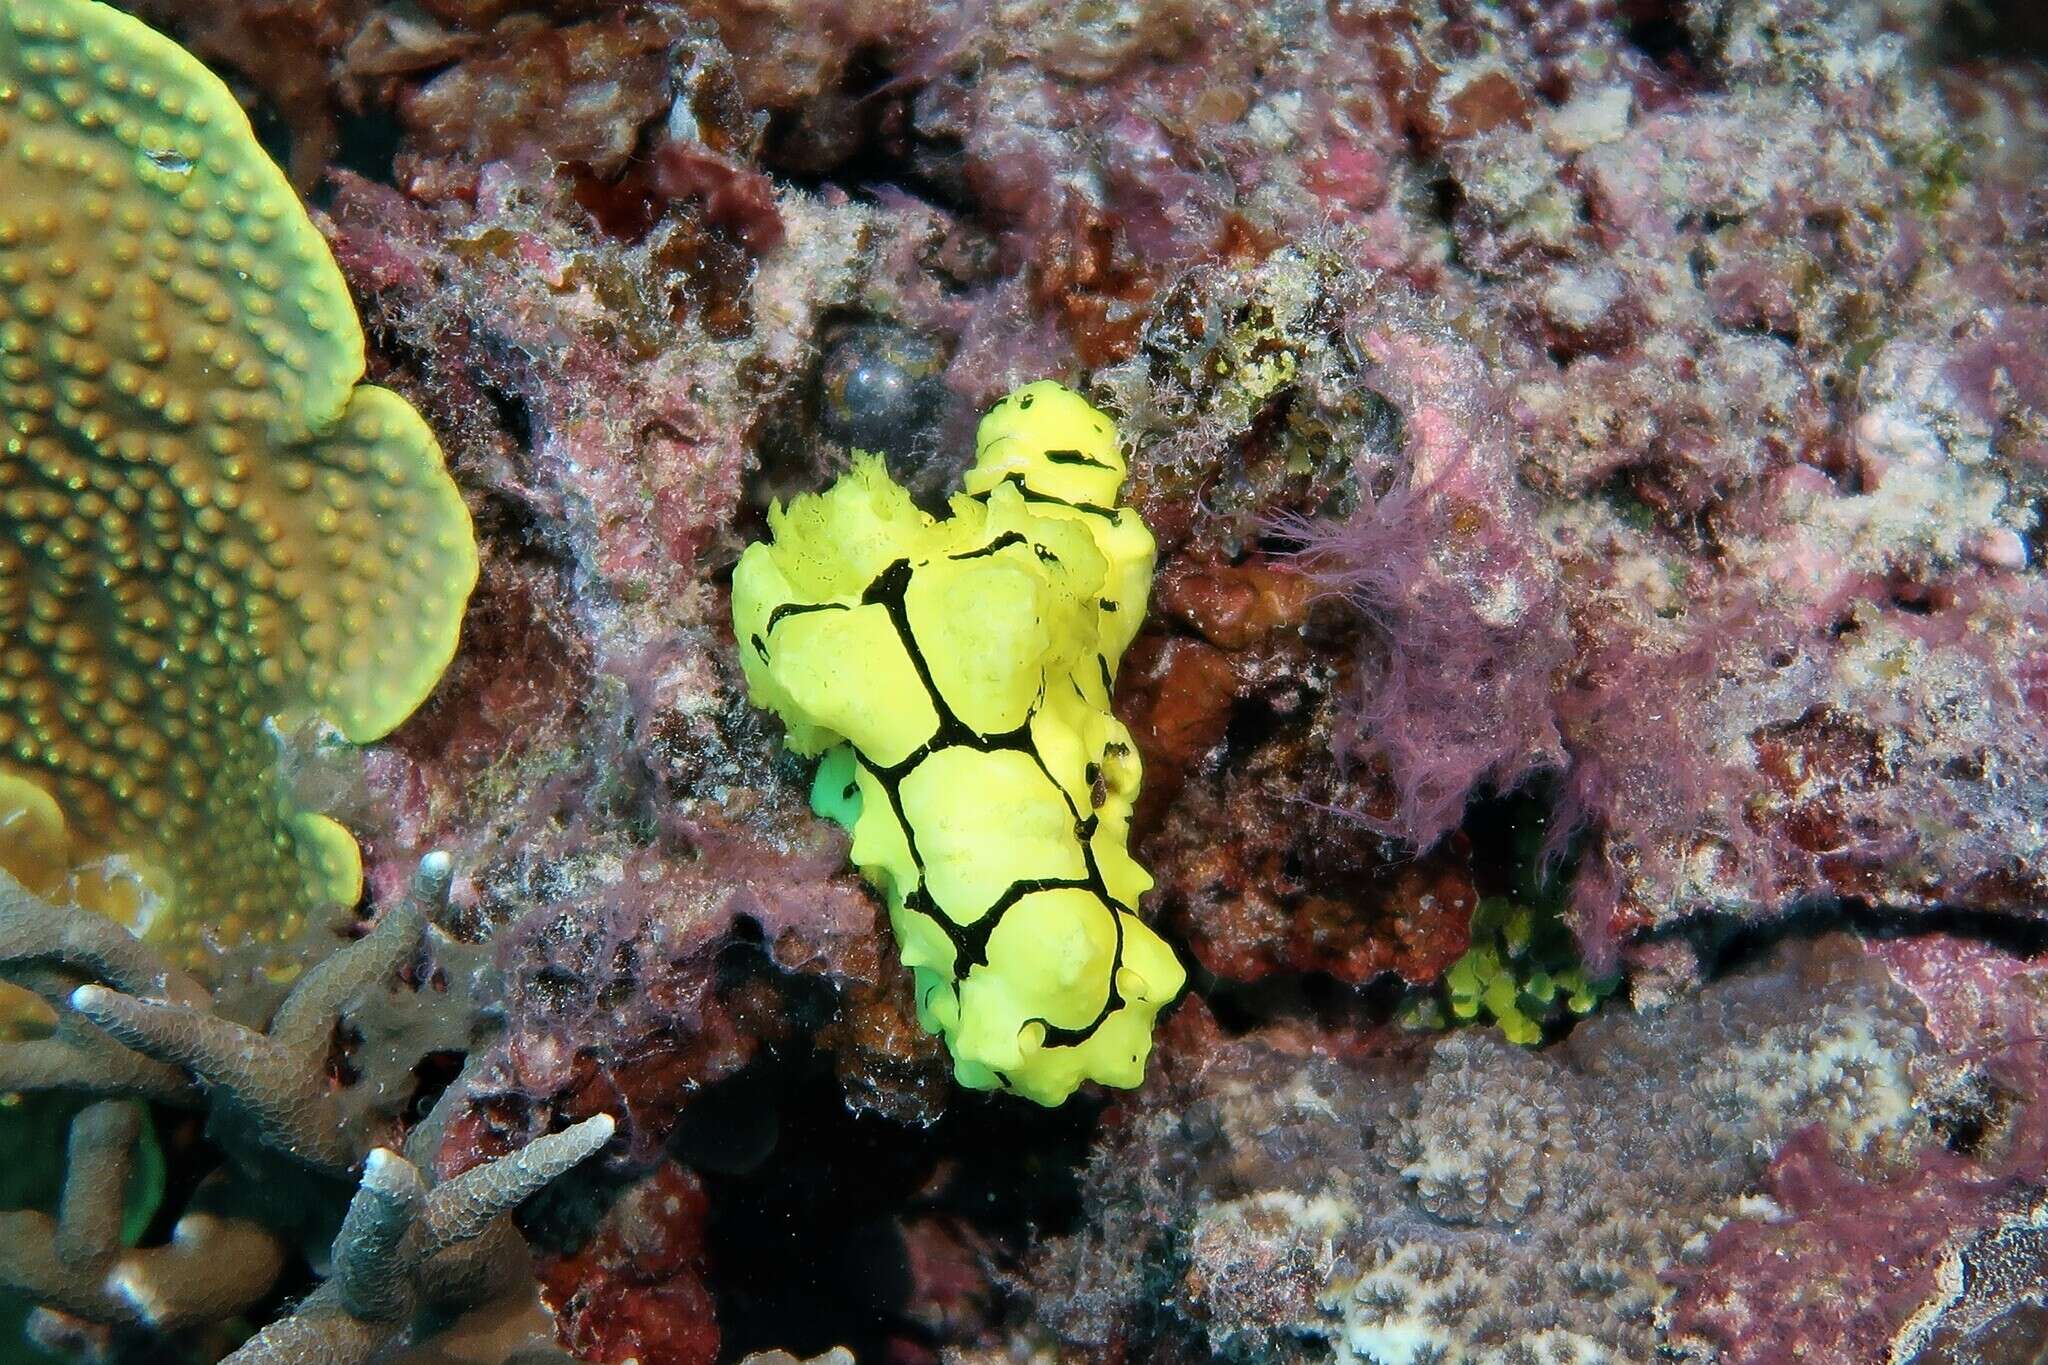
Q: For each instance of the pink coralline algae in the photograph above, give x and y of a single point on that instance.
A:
(634, 1290)
(1777, 1289)
(1465, 609)
(1964, 1249)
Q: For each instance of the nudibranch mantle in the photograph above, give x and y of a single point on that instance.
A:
(955, 674)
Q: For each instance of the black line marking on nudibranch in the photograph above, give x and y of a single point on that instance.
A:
(1093, 509)
(775, 617)
(1001, 542)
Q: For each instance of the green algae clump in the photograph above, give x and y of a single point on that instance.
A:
(956, 674)
(210, 530)
(1522, 971)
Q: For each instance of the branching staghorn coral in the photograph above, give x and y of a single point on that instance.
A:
(114, 1039)
(215, 1265)
(407, 1251)
(276, 1080)
(52, 951)
(269, 1088)
(129, 1028)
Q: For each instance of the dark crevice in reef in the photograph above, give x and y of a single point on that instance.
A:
(1656, 28)
(1727, 944)
(367, 144)
(804, 1243)
(1316, 997)
(861, 138)
(1974, 30)
(804, 1248)
(515, 416)
(1506, 833)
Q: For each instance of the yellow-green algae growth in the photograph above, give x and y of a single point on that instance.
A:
(209, 529)
(956, 676)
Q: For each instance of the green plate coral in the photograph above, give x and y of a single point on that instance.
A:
(956, 675)
(208, 527)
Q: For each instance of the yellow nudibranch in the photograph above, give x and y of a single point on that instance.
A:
(956, 676)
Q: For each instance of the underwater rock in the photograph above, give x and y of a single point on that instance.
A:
(634, 1290)
(1463, 1196)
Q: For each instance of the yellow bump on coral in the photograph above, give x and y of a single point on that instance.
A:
(956, 675)
(210, 528)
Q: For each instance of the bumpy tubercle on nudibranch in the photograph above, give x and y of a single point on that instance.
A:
(956, 676)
